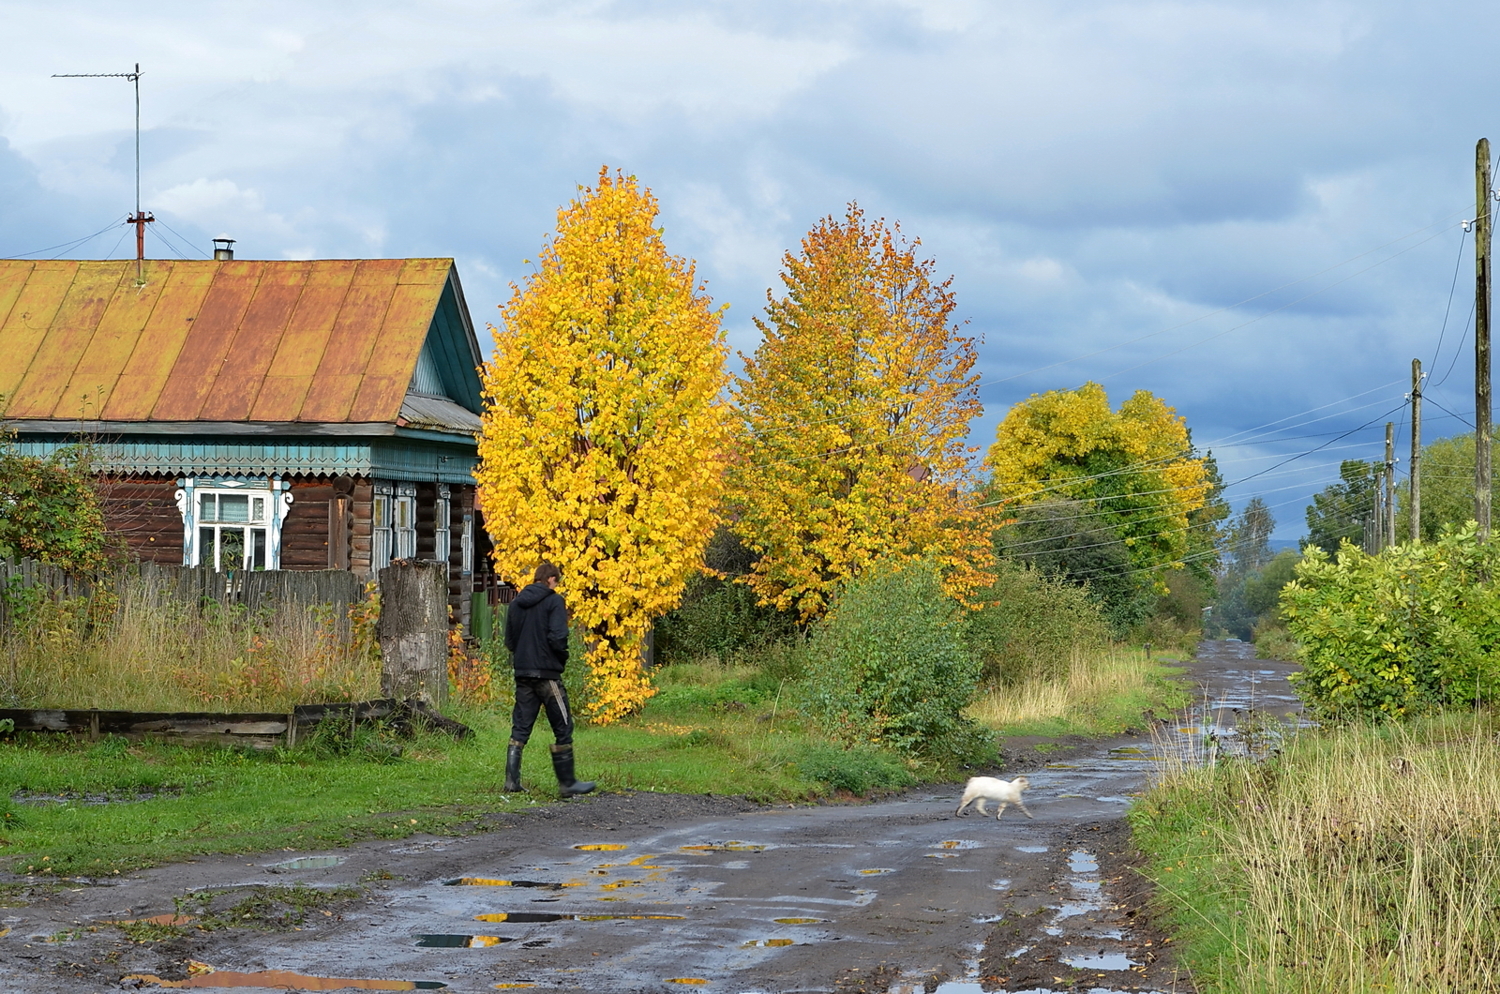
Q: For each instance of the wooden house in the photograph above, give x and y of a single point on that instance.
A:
(258, 414)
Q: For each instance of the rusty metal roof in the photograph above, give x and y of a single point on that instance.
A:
(326, 341)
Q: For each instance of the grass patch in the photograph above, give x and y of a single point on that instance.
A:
(1359, 859)
(711, 729)
(1103, 692)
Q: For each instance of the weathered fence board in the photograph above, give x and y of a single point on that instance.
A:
(194, 585)
(256, 730)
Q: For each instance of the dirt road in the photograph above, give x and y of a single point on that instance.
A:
(672, 893)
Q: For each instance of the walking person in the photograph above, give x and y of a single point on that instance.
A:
(536, 633)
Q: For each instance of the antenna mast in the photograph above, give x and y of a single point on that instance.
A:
(140, 218)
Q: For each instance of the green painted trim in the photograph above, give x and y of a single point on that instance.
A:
(428, 457)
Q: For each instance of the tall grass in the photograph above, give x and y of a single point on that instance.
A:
(1360, 859)
(132, 648)
(1101, 690)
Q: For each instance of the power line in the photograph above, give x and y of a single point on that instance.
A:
(185, 240)
(1462, 241)
(64, 246)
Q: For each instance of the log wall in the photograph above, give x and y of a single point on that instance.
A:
(142, 512)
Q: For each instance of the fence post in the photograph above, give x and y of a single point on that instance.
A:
(413, 631)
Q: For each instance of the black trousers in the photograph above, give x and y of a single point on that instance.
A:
(531, 696)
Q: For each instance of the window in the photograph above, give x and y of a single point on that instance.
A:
(404, 521)
(380, 527)
(442, 525)
(393, 525)
(466, 546)
(232, 524)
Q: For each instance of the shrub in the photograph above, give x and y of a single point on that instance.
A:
(719, 618)
(1406, 630)
(50, 508)
(1031, 625)
(1273, 642)
(859, 769)
(889, 663)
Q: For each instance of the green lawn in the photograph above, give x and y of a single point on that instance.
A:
(709, 729)
(714, 736)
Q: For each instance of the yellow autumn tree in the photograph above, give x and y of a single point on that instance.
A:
(603, 431)
(1132, 473)
(852, 418)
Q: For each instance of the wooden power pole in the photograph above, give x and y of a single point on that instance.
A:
(1482, 409)
(1414, 468)
(1390, 484)
(1377, 517)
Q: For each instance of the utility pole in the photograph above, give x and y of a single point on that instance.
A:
(1377, 528)
(1390, 484)
(1482, 410)
(1414, 468)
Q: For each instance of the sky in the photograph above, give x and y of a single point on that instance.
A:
(1253, 210)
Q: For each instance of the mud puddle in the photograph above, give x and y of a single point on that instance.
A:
(649, 892)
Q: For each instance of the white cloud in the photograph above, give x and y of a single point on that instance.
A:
(204, 199)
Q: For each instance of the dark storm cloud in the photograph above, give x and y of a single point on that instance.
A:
(1091, 174)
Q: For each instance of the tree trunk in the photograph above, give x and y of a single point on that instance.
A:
(413, 631)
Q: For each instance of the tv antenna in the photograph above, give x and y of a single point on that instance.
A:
(140, 218)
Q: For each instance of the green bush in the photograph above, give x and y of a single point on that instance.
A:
(719, 618)
(1413, 628)
(50, 509)
(1030, 625)
(859, 769)
(889, 663)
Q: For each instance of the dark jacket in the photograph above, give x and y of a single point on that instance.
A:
(536, 632)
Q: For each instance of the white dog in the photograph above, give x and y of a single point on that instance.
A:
(983, 789)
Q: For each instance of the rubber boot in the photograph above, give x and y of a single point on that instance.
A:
(562, 765)
(513, 767)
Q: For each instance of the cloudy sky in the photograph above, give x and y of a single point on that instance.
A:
(1251, 209)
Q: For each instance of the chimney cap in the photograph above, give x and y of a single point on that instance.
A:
(223, 248)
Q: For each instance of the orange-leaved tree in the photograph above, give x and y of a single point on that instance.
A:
(604, 431)
(852, 417)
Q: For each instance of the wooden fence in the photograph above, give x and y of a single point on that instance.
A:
(188, 584)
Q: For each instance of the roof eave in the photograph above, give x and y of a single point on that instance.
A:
(106, 429)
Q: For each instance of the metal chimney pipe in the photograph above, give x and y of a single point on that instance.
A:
(223, 248)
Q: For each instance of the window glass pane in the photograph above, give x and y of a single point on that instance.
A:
(207, 552)
(257, 548)
(234, 507)
(231, 548)
(206, 510)
(257, 509)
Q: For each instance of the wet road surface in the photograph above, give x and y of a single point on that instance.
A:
(663, 893)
